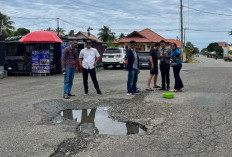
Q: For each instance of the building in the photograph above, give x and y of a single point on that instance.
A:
(145, 40)
(96, 43)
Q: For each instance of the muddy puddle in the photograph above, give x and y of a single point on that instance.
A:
(96, 121)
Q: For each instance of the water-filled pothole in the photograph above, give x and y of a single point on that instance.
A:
(96, 121)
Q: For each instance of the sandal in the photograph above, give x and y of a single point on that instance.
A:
(149, 89)
(66, 97)
(175, 90)
(71, 94)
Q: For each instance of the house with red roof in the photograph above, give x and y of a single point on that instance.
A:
(145, 40)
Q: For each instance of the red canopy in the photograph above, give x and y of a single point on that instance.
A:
(40, 37)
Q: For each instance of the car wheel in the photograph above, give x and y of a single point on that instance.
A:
(105, 66)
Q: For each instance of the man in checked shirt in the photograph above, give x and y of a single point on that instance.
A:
(69, 66)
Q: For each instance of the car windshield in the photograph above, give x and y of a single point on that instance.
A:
(112, 51)
(143, 57)
(230, 52)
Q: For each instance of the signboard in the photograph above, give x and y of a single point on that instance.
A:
(63, 46)
(40, 61)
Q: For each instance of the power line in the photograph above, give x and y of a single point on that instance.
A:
(207, 12)
(39, 23)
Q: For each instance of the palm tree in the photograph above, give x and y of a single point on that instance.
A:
(105, 34)
(6, 24)
(122, 35)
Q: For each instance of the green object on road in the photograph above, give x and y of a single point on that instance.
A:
(168, 95)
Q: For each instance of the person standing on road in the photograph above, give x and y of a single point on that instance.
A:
(132, 65)
(88, 59)
(164, 55)
(175, 58)
(154, 67)
(69, 65)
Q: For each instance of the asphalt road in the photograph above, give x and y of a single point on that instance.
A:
(197, 122)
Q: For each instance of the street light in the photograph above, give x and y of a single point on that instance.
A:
(88, 30)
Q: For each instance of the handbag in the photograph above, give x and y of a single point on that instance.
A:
(173, 64)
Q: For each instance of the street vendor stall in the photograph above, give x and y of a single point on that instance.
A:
(42, 52)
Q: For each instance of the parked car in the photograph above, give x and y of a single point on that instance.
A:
(114, 57)
(144, 60)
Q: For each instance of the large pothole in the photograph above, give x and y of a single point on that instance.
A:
(97, 121)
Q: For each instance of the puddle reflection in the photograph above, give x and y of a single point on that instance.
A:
(96, 121)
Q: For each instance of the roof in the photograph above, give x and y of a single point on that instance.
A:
(143, 36)
(178, 42)
(222, 44)
(92, 37)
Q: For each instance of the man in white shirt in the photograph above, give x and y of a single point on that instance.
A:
(88, 59)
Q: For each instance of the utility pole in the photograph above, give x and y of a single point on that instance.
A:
(181, 29)
(58, 27)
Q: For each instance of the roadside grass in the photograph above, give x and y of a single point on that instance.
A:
(192, 60)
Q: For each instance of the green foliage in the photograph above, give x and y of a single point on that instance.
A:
(71, 33)
(122, 35)
(204, 51)
(105, 34)
(214, 47)
(61, 30)
(6, 25)
(110, 43)
(21, 31)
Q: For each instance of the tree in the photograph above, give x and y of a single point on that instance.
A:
(6, 25)
(122, 35)
(21, 31)
(214, 47)
(105, 34)
(61, 30)
(71, 33)
(189, 45)
(49, 29)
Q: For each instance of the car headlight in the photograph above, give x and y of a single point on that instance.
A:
(9, 68)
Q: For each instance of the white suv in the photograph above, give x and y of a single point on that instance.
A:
(113, 56)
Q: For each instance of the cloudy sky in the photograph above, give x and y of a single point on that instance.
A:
(206, 21)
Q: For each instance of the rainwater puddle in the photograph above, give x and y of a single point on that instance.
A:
(96, 121)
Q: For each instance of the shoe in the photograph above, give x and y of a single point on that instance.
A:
(130, 94)
(137, 93)
(86, 93)
(66, 97)
(99, 94)
(157, 86)
(71, 94)
(162, 88)
(168, 88)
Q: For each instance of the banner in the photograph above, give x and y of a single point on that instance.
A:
(40, 61)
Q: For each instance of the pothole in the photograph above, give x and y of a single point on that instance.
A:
(97, 121)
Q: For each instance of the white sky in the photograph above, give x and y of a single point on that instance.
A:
(125, 16)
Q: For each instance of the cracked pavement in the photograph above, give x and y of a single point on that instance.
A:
(197, 122)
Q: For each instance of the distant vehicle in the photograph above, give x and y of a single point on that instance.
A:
(144, 60)
(114, 57)
(230, 54)
(197, 55)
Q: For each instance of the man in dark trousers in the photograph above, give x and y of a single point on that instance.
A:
(164, 55)
(88, 59)
(132, 62)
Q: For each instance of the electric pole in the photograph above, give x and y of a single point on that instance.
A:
(181, 29)
(58, 27)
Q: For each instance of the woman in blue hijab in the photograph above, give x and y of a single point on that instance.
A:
(177, 65)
